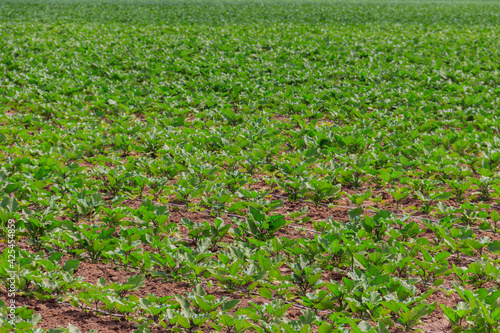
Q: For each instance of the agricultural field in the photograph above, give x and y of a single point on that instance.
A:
(249, 166)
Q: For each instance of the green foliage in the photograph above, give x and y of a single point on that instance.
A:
(259, 225)
(181, 143)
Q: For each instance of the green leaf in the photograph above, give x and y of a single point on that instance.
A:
(203, 304)
(230, 304)
(136, 280)
(355, 213)
(494, 246)
(183, 321)
(70, 265)
(184, 303)
(266, 293)
(10, 204)
(257, 214)
(325, 328)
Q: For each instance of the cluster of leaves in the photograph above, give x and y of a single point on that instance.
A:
(118, 134)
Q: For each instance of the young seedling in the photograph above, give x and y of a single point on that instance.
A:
(259, 225)
(399, 194)
(359, 198)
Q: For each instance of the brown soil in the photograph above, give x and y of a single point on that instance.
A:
(436, 322)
